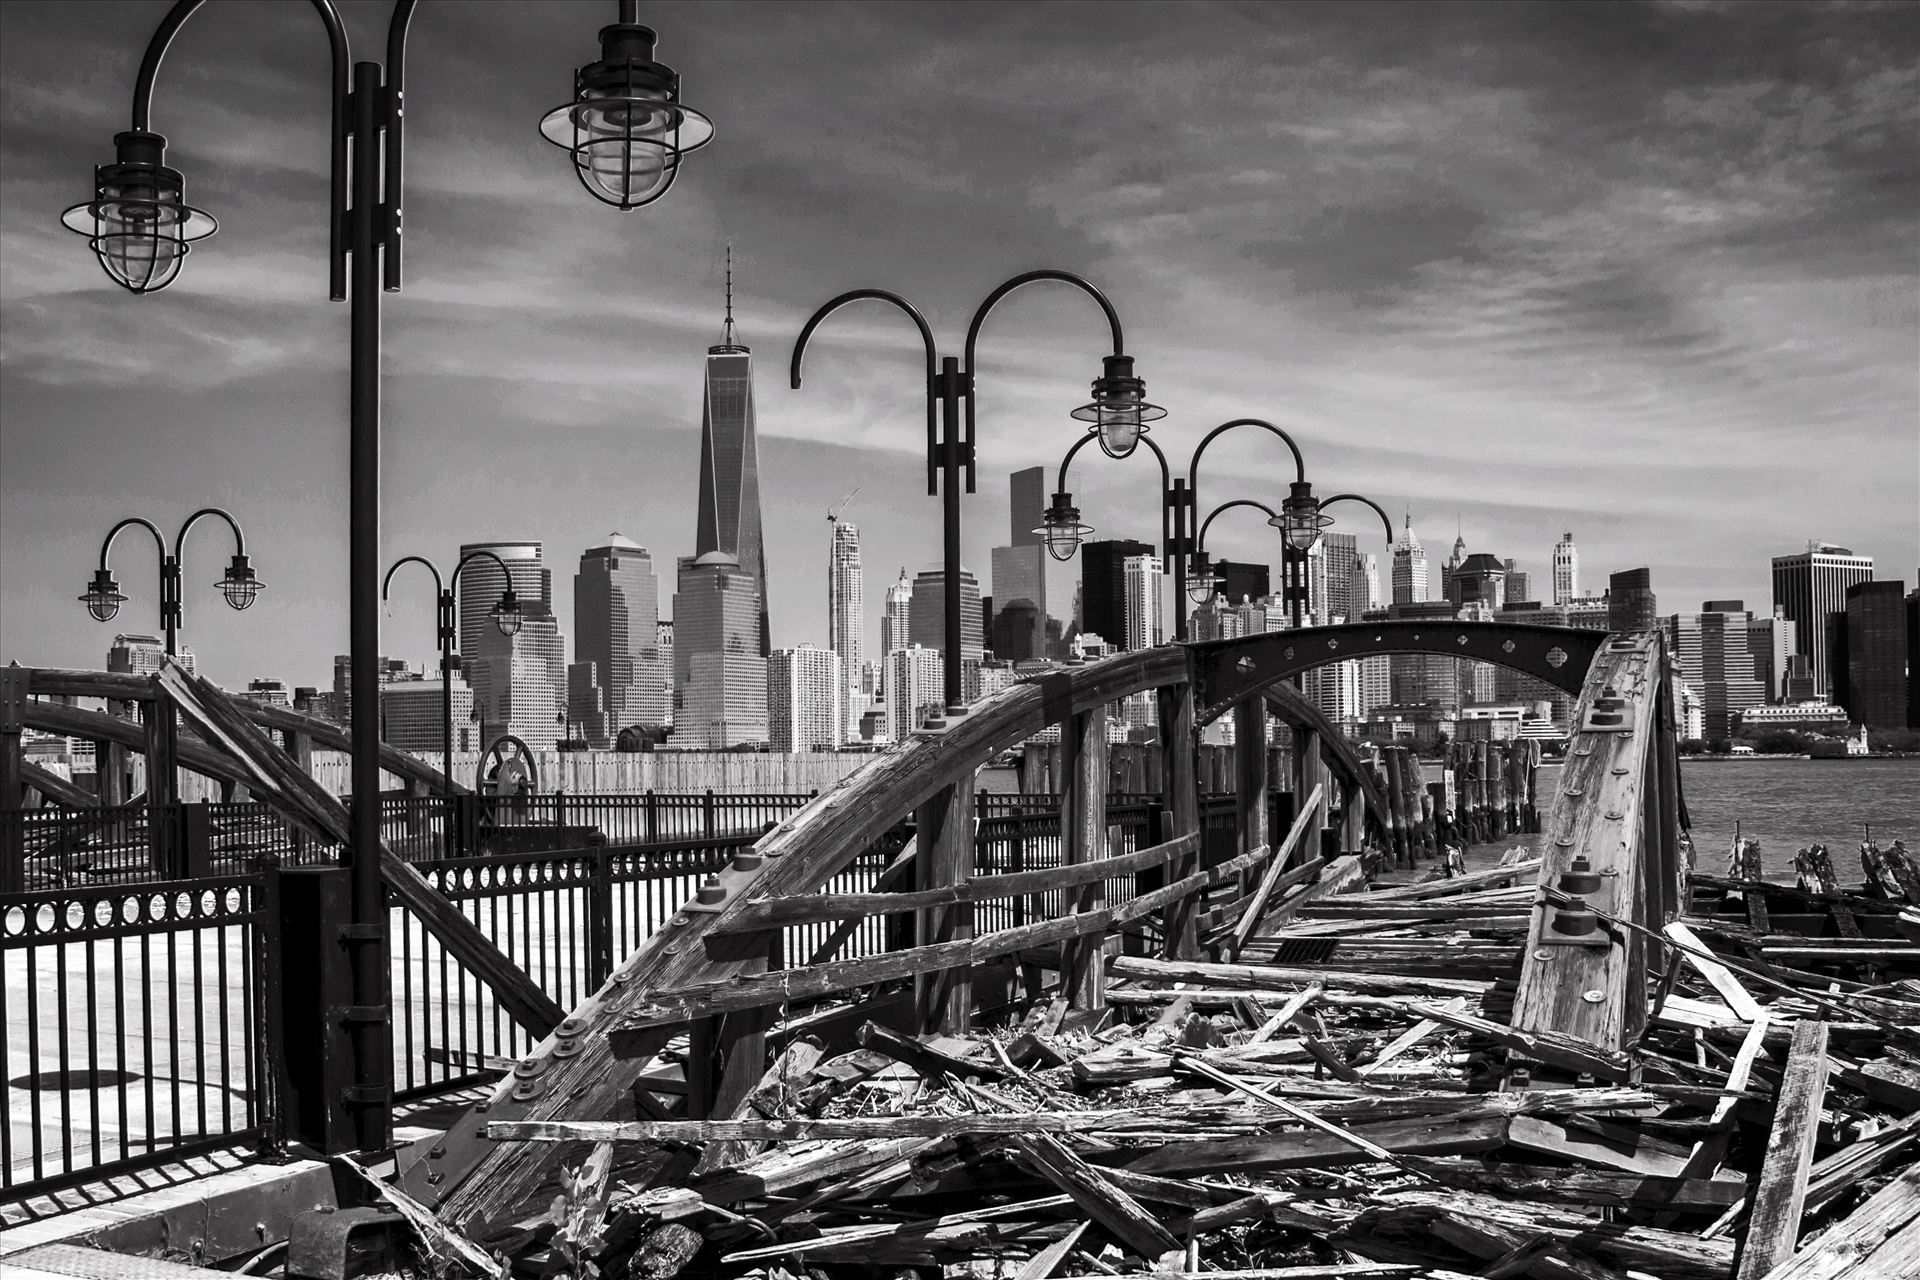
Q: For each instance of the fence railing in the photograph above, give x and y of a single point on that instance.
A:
(137, 1029)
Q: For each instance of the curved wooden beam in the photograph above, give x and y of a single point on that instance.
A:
(1292, 706)
(123, 687)
(476, 1173)
(56, 788)
(97, 726)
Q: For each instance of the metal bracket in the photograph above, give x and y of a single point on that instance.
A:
(332, 1244)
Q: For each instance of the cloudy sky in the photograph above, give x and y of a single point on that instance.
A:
(1643, 272)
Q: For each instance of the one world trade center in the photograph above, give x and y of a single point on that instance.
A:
(730, 462)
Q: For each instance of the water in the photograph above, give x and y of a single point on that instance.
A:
(1789, 804)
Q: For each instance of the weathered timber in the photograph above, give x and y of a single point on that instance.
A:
(1098, 1198)
(1083, 839)
(1773, 1225)
(943, 840)
(1599, 1187)
(1305, 1150)
(767, 1100)
(1308, 813)
(866, 1128)
(926, 1059)
(1878, 1241)
(1276, 976)
(1718, 976)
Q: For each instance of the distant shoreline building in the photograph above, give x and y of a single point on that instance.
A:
(846, 621)
(1811, 586)
(1566, 570)
(729, 513)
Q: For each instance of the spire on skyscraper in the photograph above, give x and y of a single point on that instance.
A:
(730, 343)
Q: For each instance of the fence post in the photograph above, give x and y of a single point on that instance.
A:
(707, 816)
(943, 856)
(269, 1012)
(652, 815)
(196, 840)
(599, 913)
(1083, 838)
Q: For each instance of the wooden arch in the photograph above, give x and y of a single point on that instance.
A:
(1226, 672)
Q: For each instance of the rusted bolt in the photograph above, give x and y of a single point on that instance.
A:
(746, 860)
(1579, 877)
(712, 893)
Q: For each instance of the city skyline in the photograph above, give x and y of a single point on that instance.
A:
(1624, 301)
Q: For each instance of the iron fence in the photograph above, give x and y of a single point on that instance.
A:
(136, 1027)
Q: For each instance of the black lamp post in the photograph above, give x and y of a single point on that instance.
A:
(102, 596)
(506, 618)
(627, 133)
(1119, 416)
(1063, 533)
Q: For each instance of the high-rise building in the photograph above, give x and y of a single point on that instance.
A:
(895, 622)
(1877, 675)
(391, 670)
(1013, 631)
(720, 677)
(1630, 601)
(1333, 578)
(1145, 597)
(519, 682)
(1411, 582)
(1566, 570)
(1243, 580)
(927, 612)
(481, 583)
(916, 689)
(846, 622)
(660, 700)
(268, 691)
(1771, 641)
(410, 716)
(1020, 568)
(1478, 579)
(1809, 586)
(1426, 679)
(616, 615)
(140, 655)
(1711, 650)
(1519, 583)
(1026, 507)
(1103, 586)
(806, 703)
(729, 517)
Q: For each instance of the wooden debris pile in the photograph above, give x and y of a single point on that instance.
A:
(1348, 1099)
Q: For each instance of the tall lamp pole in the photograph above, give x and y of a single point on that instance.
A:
(506, 618)
(1119, 414)
(626, 132)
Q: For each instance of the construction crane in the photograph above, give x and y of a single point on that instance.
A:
(833, 512)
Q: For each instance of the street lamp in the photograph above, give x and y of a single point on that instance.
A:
(1118, 413)
(506, 619)
(627, 133)
(103, 598)
(1063, 532)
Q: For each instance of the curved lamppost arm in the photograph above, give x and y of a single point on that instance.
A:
(1385, 520)
(159, 539)
(993, 299)
(432, 568)
(453, 583)
(1200, 540)
(239, 538)
(926, 336)
(1193, 468)
(342, 60)
(1166, 488)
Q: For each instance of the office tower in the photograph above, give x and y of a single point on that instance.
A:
(1809, 586)
(916, 689)
(1454, 562)
(1519, 584)
(927, 612)
(1426, 679)
(720, 677)
(894, 622)
(1912, 606)
(1478, 580)
(1630, 601)
(658, 697)
(1331, 578)
(1142, 581)
(587, 718)
(1213, 619)
(392, 670)
(729, 519)
(1020, 567)
(1243, 580)
(1366, 585)
(1013, 632)
(139, 655)
(1411, 582)
(1103, 586)
(806, 703)
(269, 692)
(481, 583)
(1566, 570)
(1375, 684)
(1335, 689)
(1254, 617)
(616, 615)
(1876, 639)
(846, 620)
(1026, 507)
(519, 682)
(1771, 641)
(1712, 652)
(410, 718)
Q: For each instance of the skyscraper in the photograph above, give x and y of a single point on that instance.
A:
(916, 689)
(1877, 675)
(1631, 605)
(720, 677)
(1332, 564)
(616, 612)
(729, 518)
(1411, 582)
(806, 703)
(1712, 652)
(1020, 567)
(1807, 588)
(519, 682)
(481, 583)
(1145, 597)
(140, 655)
(927, 612)
(1243, 580)
(847, 621)
(894, 623)
(1771, 641)
(1103, 587)
(1519, 583)
(1566, 570)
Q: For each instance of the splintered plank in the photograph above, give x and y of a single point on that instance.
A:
(1309, 1150)
(1773, 1227)
(1112, 1208)
(1878, 1241)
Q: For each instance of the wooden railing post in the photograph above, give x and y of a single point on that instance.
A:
(1309, 773)
(1083, 838)
(943, 856)
(1250, 777)
(1180, 794)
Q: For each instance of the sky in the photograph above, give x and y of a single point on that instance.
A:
(1647, 273)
